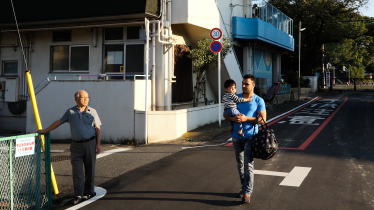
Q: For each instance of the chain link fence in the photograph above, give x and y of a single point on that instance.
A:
(25, 173)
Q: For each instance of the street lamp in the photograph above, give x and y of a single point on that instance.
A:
(300, 30)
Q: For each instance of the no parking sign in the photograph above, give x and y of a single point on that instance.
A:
(216, 46)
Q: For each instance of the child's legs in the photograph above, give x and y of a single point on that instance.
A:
(232, 112)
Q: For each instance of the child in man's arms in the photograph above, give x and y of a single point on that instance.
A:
(230, 99)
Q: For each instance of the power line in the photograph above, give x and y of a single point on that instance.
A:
(19, 35)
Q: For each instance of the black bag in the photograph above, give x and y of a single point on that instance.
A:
(264, 143)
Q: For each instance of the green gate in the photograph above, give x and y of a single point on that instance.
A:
(25, 179)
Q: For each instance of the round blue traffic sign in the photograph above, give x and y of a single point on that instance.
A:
(216, 46)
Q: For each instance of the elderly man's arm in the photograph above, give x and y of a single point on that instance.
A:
(51, 127)
(98, 138)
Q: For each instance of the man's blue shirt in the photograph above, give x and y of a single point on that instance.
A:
(249, 109)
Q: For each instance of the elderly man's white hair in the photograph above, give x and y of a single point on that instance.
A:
(77, 94)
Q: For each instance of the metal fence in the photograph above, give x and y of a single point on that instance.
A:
(270, 14)
(284, 89)
(25, 180)
(86, 77)
(352, 84)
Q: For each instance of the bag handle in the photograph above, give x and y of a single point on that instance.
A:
(262, 125)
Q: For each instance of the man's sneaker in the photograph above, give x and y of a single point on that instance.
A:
(246, 199)
(88, 195)
(240, 194)
(77, 199)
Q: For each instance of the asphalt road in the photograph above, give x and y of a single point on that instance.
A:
(332, 138)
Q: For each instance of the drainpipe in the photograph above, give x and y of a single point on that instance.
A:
(169, 58)
(94, 37)
(146, 80)
(250, 9)
(154, 70)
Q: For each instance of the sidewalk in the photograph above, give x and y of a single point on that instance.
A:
(119, 163)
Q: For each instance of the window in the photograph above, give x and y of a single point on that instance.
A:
(114, 34)
(69, 58)
(62, 36)
(128, 59)
(133, 32)
(135, 59)
(123, 53)
(10, 68)
(114, 58)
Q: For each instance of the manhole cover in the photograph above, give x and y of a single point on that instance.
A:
(59, 158)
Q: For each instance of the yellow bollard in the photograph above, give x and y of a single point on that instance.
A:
(39, 124)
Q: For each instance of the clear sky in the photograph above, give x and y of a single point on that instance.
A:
(370, 9)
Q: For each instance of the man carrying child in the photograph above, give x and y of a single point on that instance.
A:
(252, 113)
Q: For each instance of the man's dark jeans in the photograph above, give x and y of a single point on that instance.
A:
(244, 158)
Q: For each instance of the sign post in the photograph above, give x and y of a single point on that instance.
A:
(327, 79)
(216, 47)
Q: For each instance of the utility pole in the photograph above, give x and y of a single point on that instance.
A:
(300, 30)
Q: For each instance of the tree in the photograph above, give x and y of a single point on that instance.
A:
(324, 21)
(356, 54)
(202, 60)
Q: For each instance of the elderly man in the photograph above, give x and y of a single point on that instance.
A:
(251, 113)
(85, 132)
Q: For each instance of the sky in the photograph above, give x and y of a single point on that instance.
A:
(370, 10)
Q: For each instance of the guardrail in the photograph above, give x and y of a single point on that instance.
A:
(351, 84)
(284, 89)
(25, 181)
(270, 14)
(47, 80)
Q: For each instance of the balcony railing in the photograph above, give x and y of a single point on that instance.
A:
(270, 14)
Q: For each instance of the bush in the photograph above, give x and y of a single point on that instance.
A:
(292, 78)
(304, 82)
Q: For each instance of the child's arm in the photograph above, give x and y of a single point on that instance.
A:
(236, 99)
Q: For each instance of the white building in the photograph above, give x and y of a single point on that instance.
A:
(68, 44)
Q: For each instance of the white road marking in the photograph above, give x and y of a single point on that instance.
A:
(230, 139)
(274, 118)
(57, 151)
(270, 173)
(296, 176)
(292, 179)
(109, 152)
(282, 122)
(201, 146)
(100, 192)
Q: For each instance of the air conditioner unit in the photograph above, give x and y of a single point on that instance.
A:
(2, 86)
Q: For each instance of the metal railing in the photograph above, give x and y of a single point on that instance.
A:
(270, 14)
(25, 181)
(284, 89)
(351, 84)
(47, 80)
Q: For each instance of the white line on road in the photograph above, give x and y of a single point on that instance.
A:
(201, 146)
(270, 173)
(296, 176)
(109, 152)
(58, 151)
(274, 118)
(292, 179)
(100, 192)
